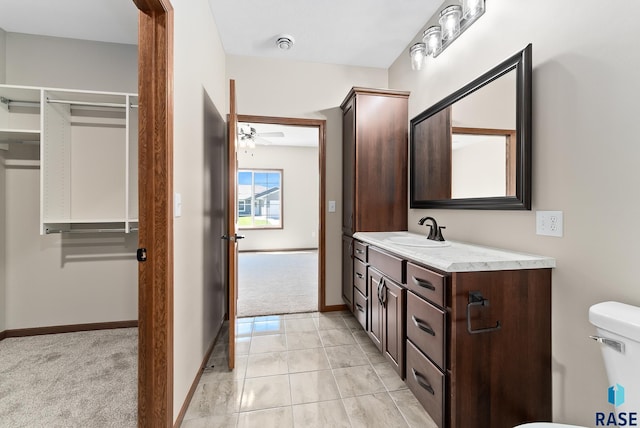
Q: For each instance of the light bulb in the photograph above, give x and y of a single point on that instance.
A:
(472, 8)
(450, 22)
(417, 53)
(432, 37)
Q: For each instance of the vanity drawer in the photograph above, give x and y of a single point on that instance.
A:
(360, 308)
(360, 250)
(427, 283)
(427, 383)
(391, 266)
(426, 328)
(360, 276)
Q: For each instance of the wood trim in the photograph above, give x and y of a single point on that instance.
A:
(482, 131)
(280, 250)
(232, 259)
(333, 308)
(72, 328)
(373, 91)
(321, 125)
(155, 180)
(196, 380)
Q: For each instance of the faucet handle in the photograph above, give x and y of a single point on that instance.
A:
(439, 236)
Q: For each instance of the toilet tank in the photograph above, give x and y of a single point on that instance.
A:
(618, 331)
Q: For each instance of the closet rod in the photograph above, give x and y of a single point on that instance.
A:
(120, 230)
(90, 104)
(17, 103)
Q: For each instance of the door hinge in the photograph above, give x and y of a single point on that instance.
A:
(141, 254)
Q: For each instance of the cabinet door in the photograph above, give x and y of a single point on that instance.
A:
(347, 271)
(393, 308)
(374, 283)
(348, 167)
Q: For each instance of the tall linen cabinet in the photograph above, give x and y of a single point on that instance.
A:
(374, 172)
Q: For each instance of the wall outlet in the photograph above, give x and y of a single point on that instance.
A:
(549, 223)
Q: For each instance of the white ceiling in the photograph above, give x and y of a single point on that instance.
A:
(371, 33)
(368, 33)
(101, 20)
(296, 136)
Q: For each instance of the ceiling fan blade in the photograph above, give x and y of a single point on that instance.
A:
(261, 141)
(270, 134)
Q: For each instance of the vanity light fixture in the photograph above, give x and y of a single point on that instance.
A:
(418, 56)
(454, 20)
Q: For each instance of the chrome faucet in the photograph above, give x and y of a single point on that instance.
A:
(435, 232)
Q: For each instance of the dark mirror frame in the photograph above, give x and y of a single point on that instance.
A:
(521, 62)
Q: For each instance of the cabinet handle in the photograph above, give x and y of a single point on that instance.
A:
(422, 283)
(359, 307)
(380, 290)
(359, 275)
(422, 326)
(476, 299)
(384, 293)
(422, 381)
(359, 251)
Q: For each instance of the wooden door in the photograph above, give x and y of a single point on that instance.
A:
(374, 283)
(232, 223)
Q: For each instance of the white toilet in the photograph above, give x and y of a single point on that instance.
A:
(618, 327)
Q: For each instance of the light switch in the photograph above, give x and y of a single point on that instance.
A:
(332, 206)
(177, 205)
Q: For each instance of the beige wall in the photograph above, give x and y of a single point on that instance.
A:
(199, 67)
(3, 54)
(3, 241)
(585, 163)
(300, 197)
(270, 87)
(70, 63)
(63, 279)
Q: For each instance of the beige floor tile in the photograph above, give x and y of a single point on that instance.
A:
(215, 399)
(361, 336)
(321, 415)
(303, 340)
(412, 410)
(280, 417)
(309, 387)
(244, 320)
(299, 324)
(265, 392)
(244, 329)
(274, 343)
(299, 315)
(389, 377)
(218, 369)
(374, 411)
(346, 356)
(220, 421)
(262, 328)
(268, 318)
(305, 360)
(330, 323)
(357, 381)
(242, 345)
(353, 324)
(267, 364)
(337, 337)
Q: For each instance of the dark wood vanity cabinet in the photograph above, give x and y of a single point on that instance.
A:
(387, 306)
(374, 156)
(347, 271)
(473, 347)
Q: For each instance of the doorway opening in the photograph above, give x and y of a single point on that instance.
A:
(280, 211)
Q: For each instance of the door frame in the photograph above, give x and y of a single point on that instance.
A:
(321, 125)
(155, 181)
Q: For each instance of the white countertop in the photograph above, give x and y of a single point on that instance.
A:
(455, 256)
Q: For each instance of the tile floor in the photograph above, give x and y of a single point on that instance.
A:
(302, 370)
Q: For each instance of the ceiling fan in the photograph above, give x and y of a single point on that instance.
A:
(248, 137)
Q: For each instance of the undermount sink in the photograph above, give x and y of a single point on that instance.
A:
(417, 241)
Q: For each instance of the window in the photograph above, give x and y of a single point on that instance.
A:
(259, 199)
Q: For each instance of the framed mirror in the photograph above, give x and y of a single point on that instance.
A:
(472, 150)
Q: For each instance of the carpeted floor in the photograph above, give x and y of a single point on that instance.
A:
(85, 379)
(277, 283)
